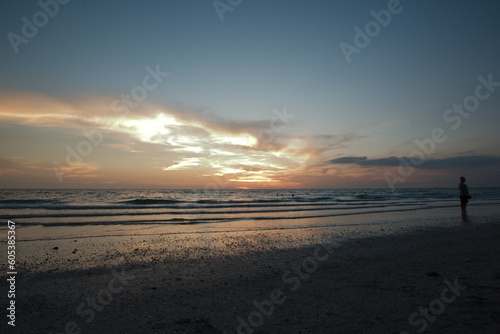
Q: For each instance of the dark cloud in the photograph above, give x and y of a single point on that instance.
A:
(460, 162)
(348, 160)
(365, 162)
(463, 162)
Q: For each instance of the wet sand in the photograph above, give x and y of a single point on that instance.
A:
(437, 276)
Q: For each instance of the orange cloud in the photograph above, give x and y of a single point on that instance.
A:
(19, 165)
(175, 140)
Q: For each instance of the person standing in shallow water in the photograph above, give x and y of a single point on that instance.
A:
(464, 195)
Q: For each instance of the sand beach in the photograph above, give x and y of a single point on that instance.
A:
(438, 275)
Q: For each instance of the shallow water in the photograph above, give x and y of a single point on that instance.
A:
(84, 213)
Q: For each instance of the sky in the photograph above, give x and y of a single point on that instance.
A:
(249, 94)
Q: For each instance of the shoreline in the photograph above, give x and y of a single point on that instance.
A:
(123, 225)
(40, 232)
(370, 284)
(81, 248)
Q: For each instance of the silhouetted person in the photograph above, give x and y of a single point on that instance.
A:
(464, 194)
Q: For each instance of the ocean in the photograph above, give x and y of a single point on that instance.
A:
(169, 208)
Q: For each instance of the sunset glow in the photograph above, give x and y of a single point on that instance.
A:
(239, 104)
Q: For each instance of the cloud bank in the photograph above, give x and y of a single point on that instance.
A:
(266, 152)
(459, 162)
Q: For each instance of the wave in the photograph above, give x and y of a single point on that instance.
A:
(149, 201)
(288, 199)
(156, 204)
(193, 221)
(25, 201)
(300, 208)
(208, 205)
(74, 204)
(172, 221)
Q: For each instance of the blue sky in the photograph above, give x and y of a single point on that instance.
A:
(226, 78)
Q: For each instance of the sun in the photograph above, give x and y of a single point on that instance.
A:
(149, 129)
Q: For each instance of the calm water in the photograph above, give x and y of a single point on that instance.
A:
(167, 207)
